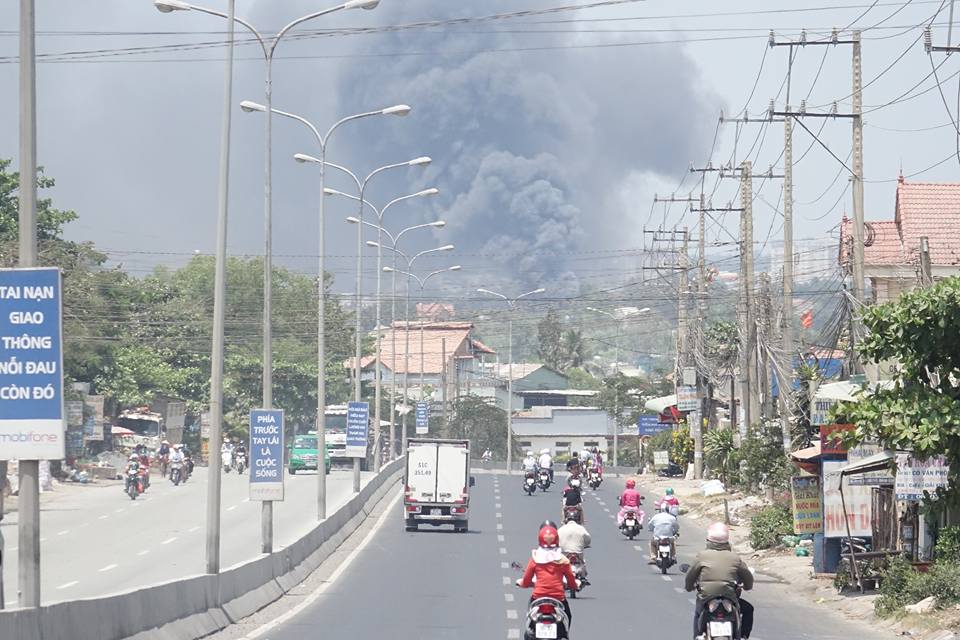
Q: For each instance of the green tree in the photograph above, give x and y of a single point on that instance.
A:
(137, 374)
(550, 340)
(573, 349)
(484, 424)
(921, 411)
(720, 452)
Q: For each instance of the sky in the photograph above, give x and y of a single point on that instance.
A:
(550, 133)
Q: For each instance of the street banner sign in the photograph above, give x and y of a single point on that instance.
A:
(32, 412)
(93, 418)
(687, 399)
(807, 504)
(916, 477)
(661, 458)
(423, 418)
(689, 376)
(358, 426)
(648, 425)
(266, 454)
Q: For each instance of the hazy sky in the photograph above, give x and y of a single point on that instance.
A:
(549, 133)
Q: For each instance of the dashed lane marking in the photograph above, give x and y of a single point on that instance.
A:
(63, 533)
(193, 529)
(501, 538)
(667, 578)
(109, 567)
(499, 526)
(511, 614)
(169, 540)
(678, 589)
(504, 565)
(68, 585)
(513, 634)
(506, 579)
(503, 551)
(638, 547)
(508, 597)
(144, 552)
(103, 517)
(231, 508)
(499, 515)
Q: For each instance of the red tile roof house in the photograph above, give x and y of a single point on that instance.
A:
(892, 247)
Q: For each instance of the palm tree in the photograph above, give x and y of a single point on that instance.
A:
(573, 348)
(721, 452)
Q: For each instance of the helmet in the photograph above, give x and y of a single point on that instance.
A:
(718, 533)
(548, 523)
(134, 457)
(542, 451)
(165, 442)
(571, 516)
(548, 537)
(596, 450)
(576, 455)
(529, 453)
(631, 483)
(669, 491)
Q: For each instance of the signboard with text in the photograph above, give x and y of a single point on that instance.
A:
(661, 458)
(831, 443)
(266, 454)
(358, 426)
(687, 399)
(93, 417)
(858, 499)
(423, 418)
(648, 425)
(31, 365)
(807, 504)
(820, 411)
(916, 476)
(861, 452)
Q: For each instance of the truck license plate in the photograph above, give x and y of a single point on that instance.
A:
(721, 629)
(436, 512)
(546, 630)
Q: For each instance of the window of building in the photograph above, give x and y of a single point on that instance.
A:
(590, 444)
(524, 444)
(562, 445)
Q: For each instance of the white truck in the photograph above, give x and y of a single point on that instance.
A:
(437, 483)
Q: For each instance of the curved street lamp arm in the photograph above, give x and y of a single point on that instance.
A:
(387, 167)
(249, 27)
(349, 173)
(301, 20)
(357, 199)
(416, 226)
(410, 196)
(426, 251)
(529, 293)
(348, 119)
(494, 293)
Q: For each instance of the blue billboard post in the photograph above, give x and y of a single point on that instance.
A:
(423, 418)
(31, 400)
(358, 428)
(266, 455)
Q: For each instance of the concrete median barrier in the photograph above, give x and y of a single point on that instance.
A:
(196, 606)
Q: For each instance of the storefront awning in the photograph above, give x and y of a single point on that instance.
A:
(660, 405)
(877, 462)
(807, 454)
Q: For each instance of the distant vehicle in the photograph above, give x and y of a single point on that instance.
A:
(437, 483)
(672, 470)
(304, 455)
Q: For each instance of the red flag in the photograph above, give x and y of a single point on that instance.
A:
(806, 320)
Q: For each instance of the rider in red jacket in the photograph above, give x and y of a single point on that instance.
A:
(550, 567)
(630, 500)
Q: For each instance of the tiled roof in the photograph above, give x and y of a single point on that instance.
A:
(928, 209)
(434, 336)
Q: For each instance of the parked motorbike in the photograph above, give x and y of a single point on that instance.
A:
(544, 480)
(666, 557)
(530, 483)
(546, 619)
(241, 462)
(631, 524)
(579, 568)
(672, 470)
(187, 469)
(133, 484)
(176, 472)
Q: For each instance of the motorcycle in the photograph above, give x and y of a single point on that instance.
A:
(133, 484)
(176, 472)
(226, 458)
(665, 554)
(530, 483)
(547, 619)
(164, 463)
(187, 469)
(594, 480)
(721, 616)
(144, 478)
(631, 524)
(575, 482)
(672, 470)
(579, 568)
(544, 480)
(574, 512)
(241, 462)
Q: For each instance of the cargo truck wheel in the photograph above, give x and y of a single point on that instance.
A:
(411, 525)
(461, 527)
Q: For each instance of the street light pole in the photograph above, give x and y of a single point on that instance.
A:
(511, 303)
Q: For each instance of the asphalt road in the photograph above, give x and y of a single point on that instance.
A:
(438, 584)
(96, 541)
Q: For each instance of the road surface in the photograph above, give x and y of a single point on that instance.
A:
(96, 541)
(436, 584)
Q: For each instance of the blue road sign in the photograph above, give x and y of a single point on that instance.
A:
(358, 426)
(423, 417)
(266, 454)
(648, 425)
(31, 365)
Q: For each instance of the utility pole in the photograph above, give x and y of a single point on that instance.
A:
(763, 356)
(926, 270)
(28, 527)
(443, 384)
(743, 303)
(785, 377)
(858, 223)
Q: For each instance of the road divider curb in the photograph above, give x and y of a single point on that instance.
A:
(200, 605)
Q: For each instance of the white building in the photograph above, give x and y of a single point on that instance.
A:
(563, 430)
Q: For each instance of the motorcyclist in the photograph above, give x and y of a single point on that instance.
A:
(550, 567)
(718, 571)
(226, 449)
(630, 500)
(573, 497)
(546, 462)
(664, 525)
(163, 457)
(529, 463)
(573, 464)
(487, 455)
(176, 455)
(240, 450)
(574, 538)
(598, 461)
(133, 467)
(187, 461)
(670, 500)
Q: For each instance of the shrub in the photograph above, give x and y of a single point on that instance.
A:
(948, 545)
(769, 525)
(901, 585)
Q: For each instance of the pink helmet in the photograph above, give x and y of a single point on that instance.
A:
(718, 533)
(631, 483)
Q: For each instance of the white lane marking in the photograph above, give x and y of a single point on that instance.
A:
(312, 597)
(10, 603)
(193, 529)
(678, 589)
(119, 510)
(667, 578)
(513, 634)
(638, 547)
(109, 567)
(68, 584)
(692, 600)
(504, 565)
(508, 597)
(602, 503)
(499, 515)
(103, 517)
(499, 526)
(231, 508)
(498, 506)
(144, 552)
(43, 539)
(512, 614)
(246, 499)
(607, 509)
(500, 538)
(63, 533)
(169, 540)
(506, 579)
(503, 551)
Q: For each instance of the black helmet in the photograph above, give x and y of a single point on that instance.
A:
(548, 523)
(576, 455)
